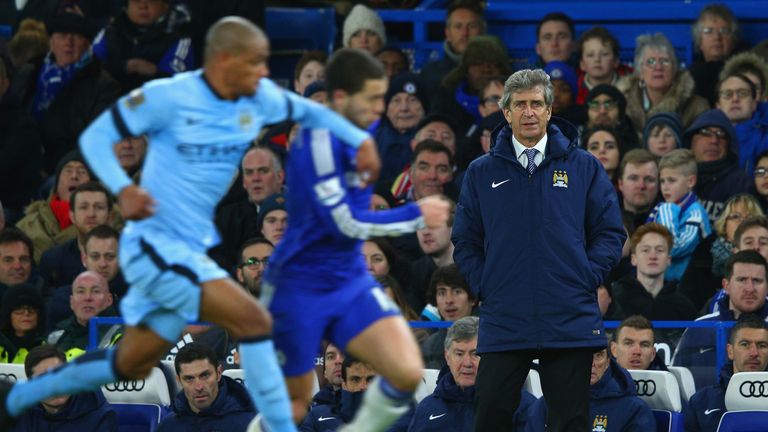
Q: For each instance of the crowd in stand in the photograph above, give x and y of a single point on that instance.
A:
(685, 149)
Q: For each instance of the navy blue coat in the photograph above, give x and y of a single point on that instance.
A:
(534, 248)
(451, 409)
(703, 411)
(612, 404)
(326, 418)
(231, 411)
(85, 412)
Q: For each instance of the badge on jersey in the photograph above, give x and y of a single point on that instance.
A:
(134, 99)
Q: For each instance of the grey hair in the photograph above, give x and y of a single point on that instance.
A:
(463, 329)
(655, 41)
(715, 10)
(527, 79)
(277, 165)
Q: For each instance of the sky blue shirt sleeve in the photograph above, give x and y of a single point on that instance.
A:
(287, 105)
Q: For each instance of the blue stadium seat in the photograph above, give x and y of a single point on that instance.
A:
(743, 421)
(138, 417)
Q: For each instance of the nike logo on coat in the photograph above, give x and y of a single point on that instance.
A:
(710, 411)
(495, 185)
(321, 418)
(432, 416)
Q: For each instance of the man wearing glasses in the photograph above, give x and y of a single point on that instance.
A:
(252, 261)
(737, 97)
(715, 35)
(607, 106)
(715, 146)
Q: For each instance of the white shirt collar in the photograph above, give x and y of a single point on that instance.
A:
(541, 146)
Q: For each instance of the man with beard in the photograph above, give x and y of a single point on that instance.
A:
(254, 256)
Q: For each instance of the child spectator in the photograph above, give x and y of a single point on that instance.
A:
(563, 79)
(681, 213)
(662, 133)
(599, 61)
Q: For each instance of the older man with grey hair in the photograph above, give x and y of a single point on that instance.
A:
(538, 226)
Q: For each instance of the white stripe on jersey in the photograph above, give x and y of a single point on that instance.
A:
(354, 228)
(322, 155)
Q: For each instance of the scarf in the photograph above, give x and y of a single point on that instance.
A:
(468, 102)
(60, 209)
(721, 250)
(52, 79)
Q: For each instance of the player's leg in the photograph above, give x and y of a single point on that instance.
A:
(300, 389)
(227, 304)
(133, 358)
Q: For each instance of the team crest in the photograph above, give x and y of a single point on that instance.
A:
(600, 424)
(245, 120)
(560, 179)
(135, 98)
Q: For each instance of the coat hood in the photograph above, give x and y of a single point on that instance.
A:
(448, 390)
(713, 117)
(561, 134)
(616, 382)
(232, 398)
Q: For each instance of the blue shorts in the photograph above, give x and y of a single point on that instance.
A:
(164, 276)
(305, 311)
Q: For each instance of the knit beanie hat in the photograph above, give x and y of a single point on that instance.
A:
(667, 119)
(362, 17)
(69, 22)
(72, 156)
(270, 203)
(410, 83)
(562, 71)
(481, 49)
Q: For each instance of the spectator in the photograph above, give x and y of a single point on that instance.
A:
(263, 175)
(48, 222)
(22, 322)
(431, 170)
(715, 36)
(87, 411)
(16, 253)
(564, 80)
(356, 376)
(555, 34)
(745, 288)
(90, 205)
(639, 187)
(510, 272)
(449, 291)
(147, 40)
(477, 142)
(681, 213)
(607, 106)
(459, 94)
(599, 63)
(609, 309)
(208, 400)
(67, 90)
(662, 133)
(605, 146)
(761, 179)
(364, 29)
(632, 345)
(463, 20)
(455, 390)
(659, 82)
(756, 69)
(438, 252)
(253, 258)
(99, 255)
(382, 258)
(747, 352)
(90, 298)
(437, 127)
(21, 156)
(395, 61)
(130, 151)
(318, 93)
(310, 68)
(611, 398)
(737, 98)
(273, 218)
(392, 289)
(29, 43)
(714, 144)
(406, 105)
(705, 272)
(650, 293)
(332, 361)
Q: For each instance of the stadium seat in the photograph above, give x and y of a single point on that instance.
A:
(747, 391)
(12, 372)
(743, 421)
(138, 417)
(428, 384)
(169, 369)
(239, 376)
(659, 389)
(533, 383)
(684, 381)
(152, 390)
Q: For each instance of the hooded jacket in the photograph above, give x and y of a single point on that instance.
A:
(14, 349)
(327, 418)
(534, 248)
(718, 180)
(703, 411)
(752, 136)
(679, 99)
(85, 412)
(231, 411)
(612, 405)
